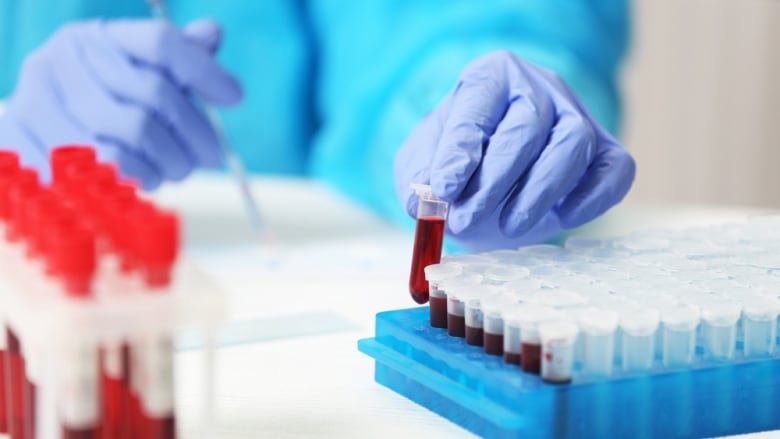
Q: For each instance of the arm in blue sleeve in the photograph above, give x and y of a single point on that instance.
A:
(386, 63)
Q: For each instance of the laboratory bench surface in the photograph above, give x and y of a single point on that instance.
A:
(303, 293)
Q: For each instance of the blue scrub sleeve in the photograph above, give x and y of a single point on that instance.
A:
(384, 64)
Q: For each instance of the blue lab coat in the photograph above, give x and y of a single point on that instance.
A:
(334, 86)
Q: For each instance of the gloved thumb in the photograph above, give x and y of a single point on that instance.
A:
(206, 33)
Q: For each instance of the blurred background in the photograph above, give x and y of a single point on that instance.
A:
(702, 101)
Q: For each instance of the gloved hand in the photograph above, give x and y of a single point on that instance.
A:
(516, 154)
(125, 86)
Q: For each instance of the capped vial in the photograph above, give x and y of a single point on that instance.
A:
(435, 274)
(638, 332)
(598, 331)
(501, 274)
(474, 317)
(493, 307)
(531, 342)
(428, 239)
(720, 328)
(679, 340)
(760, 325)
(439, 303)
(558, 339)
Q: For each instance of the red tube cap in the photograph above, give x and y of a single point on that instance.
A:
(63, 157)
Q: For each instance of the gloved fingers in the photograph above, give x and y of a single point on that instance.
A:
(478, 104)
(511, 150)
(158, 44)
(158, 96)
(563, 162)
(206, 33)
(46, 108)
(413, 161)
(130, 163)
(606, 182)
(121, 122)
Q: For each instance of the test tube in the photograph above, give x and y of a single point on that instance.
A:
(493, 322)
(760, 325)
(598, 331)
(720, 328)
(558, 338)
(638, 330)
(531, 342)
(9, 165)
(473, 313)
(428, 239)
(460, 282)
(435, 274)
(513, 317)
(74, 259)
(679, 340)
(157, 254)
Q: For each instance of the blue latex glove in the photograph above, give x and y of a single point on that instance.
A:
(124, 86)
(516, 154)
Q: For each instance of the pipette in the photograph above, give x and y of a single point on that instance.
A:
(232, 159)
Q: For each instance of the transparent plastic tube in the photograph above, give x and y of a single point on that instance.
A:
(439, 302)
(598, 332)
(679, 340)
(428, 240)
(435, 274)
(558, 338)
(493, 322)
(531, 341)
(760, 326)
(720, 329)
(474, 317)
(638, 329)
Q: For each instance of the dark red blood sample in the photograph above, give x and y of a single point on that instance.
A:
(29, 408)
(161, 428)
(494, 343)
(427, 251)
(438, 312)
(512, 358)
(79, 433)
(14, 387)
(474, 335)
(531, 357)
(456, 325)
(3, 410)
(116, 398)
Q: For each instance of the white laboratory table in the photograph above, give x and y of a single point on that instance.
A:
(300, 297)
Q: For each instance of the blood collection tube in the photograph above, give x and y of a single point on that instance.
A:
(460, 282)
(79, 408)
(638, 329)
(719, 319)
(9, 165)
(456, 310)
(679, 340)
(428, 239)
(513, 317)
(598, 332)
(473, 314)
(760, 326)
(558, 338)
(493, 322)
(531, 341)
(157, 251)
(435, 274)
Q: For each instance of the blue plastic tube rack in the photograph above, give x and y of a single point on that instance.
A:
(488, 397)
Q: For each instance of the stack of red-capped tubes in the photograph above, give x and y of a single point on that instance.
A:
(86, 227)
